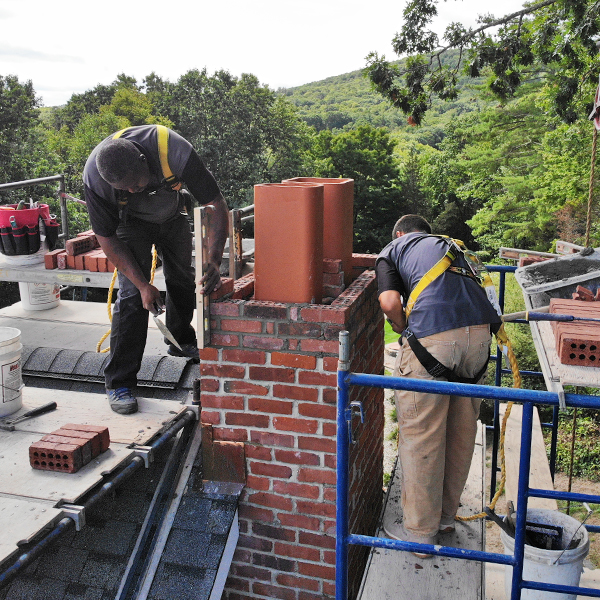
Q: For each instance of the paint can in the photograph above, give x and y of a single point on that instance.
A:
(10, 368)
(39, 296)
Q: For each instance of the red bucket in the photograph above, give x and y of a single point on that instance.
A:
(26, 216)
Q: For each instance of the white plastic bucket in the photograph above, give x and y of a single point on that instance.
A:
(10, 368)
(39, 296)
(541, 565)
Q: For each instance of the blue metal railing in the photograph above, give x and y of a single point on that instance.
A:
(529, 398)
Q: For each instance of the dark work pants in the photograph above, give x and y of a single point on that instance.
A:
(129, 327)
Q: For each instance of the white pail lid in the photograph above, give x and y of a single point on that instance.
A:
(9, 335)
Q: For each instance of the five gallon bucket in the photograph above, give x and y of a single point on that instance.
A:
(559, 566)
(39, 296)
(10, 367)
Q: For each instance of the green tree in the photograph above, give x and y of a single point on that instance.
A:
(18, 118)
(365, 154)
(554, 39)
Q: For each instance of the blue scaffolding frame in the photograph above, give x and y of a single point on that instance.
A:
(345, 412)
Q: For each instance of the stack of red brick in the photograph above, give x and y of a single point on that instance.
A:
(82, 253)
(578, 342)
(69, 448)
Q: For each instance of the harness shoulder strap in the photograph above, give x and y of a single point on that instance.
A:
(162, 136)
(431, 275)
(163, 153)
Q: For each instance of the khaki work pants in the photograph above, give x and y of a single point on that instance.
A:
(437, 432)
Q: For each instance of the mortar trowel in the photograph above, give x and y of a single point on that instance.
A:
(159, 310)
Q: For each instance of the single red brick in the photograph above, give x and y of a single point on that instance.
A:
(210, 417)
(230, 435)
(308, 345)
(271, 311)
(323, 314)
(295, 392)
(265, 343)
(283, 375)
(270, 470)
(245, 387)
(333, 279)
(51, 258)
(297, 458)
(272, 439)
(225, 402)
(226, 288)
(90, 261)
(241, 326)
(316, 444)
(270, 406)
(301, 361)
(61, 260)
(209, 354)
(99, 429)
(217, 339)
(110, 267)
(295, 425)
(296, 551)
(364, 260)
(209, 385)
(70, 262)
(79, 262)
(317, 476)
(222, 370)
(299, 490)
(301, 521)
(271, 500)
(321, 509)
(332, 265)
(293, 581)
(317, 411)
(227, 308)
(317, 378)
(256, 357)
(247, 420)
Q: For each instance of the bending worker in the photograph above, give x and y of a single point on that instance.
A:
(131, 182)
(449, 331)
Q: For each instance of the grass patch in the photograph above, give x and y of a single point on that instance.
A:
(390, 336)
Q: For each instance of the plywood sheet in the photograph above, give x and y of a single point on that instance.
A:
(21, 519)
(93, 409)
(397, 575)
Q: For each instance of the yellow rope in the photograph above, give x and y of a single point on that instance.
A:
(109, 300)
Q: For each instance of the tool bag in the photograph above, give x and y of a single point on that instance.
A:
(22, 231)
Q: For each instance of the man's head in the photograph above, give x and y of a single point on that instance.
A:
(122, 165)
(410, 223)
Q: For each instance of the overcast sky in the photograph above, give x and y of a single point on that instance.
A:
(70, 46)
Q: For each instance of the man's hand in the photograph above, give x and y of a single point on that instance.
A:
(151, 298)
(211, 281)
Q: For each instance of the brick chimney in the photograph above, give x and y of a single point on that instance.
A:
(268, 380)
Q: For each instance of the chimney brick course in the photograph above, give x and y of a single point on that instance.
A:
(269, 380)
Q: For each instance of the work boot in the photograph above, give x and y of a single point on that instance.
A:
(397, 531)
(189, 350)
(122, 401)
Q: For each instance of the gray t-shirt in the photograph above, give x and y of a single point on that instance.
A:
(449, 302)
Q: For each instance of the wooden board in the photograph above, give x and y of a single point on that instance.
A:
(539, 472)
(392, 574)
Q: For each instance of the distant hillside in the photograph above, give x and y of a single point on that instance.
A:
(347, 100)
